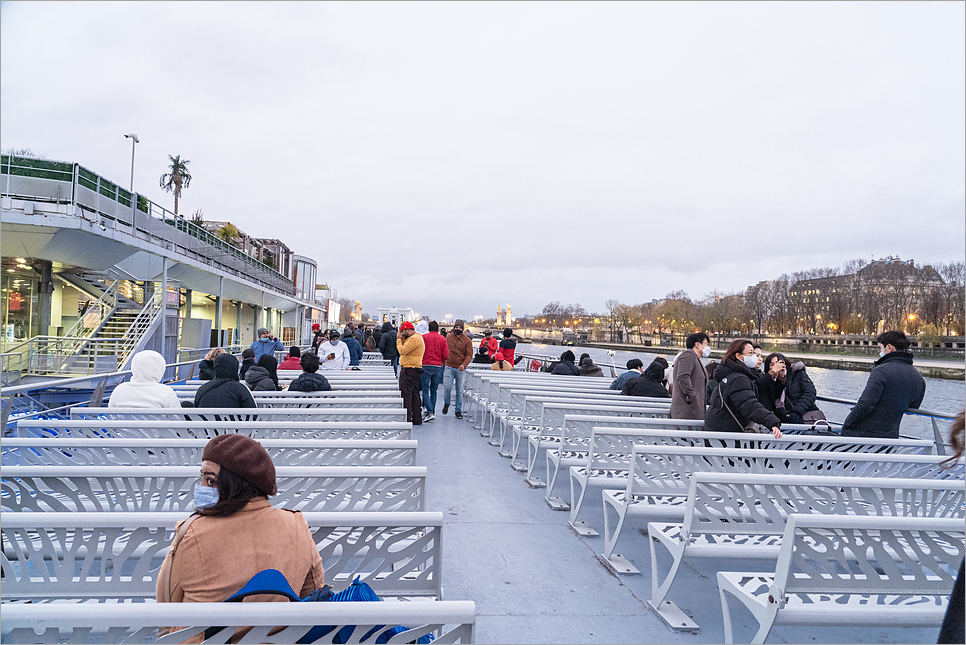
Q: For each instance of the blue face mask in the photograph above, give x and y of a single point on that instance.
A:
(205, 496)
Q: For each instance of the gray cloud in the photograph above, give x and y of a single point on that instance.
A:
(469, 155)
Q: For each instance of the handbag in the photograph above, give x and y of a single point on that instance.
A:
(271, 581)
(751, 426)
(814, 415)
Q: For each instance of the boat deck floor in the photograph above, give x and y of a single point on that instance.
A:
(535, 581)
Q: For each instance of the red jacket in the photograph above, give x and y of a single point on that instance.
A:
(436, 349)
(291, 363)
(491, 345)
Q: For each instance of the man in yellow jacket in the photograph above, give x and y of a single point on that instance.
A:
(411, 348)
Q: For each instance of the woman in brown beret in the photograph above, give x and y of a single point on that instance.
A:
(235, 533)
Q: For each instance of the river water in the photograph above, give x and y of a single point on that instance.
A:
(942, 395)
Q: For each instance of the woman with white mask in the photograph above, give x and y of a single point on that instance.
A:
(734, 405)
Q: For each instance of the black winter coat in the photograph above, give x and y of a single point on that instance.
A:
(258, 379)
(206, 370)
(310, 382)
(739, 387)
(894, 385)
(643, 386)
(246, 364)
(224, 391)
(387, 343)
(566, 368)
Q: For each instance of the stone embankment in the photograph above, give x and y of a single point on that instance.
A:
(953, 370)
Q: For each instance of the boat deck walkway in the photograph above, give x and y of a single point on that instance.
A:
(535, 581)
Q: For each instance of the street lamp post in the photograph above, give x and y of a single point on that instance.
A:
(134, 140)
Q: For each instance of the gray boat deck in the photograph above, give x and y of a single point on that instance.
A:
(535, 581)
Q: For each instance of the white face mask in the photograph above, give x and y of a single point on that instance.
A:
(751, 361)
(882, 353)
(706, 352)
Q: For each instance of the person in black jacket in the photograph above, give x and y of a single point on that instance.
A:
(786, 391)
(309, 380)
(587, 367)
(566, 365)
(734, 403)
(206, 368)
(894, 385)
(248, 361)
(387, 346)
(648, 385)
(264, 375)
(224, 391)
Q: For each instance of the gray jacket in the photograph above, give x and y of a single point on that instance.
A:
(690, 383)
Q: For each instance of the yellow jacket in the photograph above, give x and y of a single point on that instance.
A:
(411, 350)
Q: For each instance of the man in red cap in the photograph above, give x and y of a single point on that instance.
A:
(318, 339)
(411, 349)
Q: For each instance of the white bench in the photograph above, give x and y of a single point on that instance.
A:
(612, 443)
(101, 451)
(658, 480)
(552, 414)
(171, 488)
(451, 621)
(258, 430)
(242, 414)
(742, 515)
(101, 556)
(483, 394)
(901, 571)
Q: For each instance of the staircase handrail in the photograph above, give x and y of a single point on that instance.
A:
(140, 325)
(109, 299)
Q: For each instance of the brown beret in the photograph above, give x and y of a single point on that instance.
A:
(245, 457)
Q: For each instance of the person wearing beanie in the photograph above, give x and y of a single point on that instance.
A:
(234, 532)
(248, 361)
(354, 347)
(145, 389)
(454, 371)
(500, 364)
(224, 391)
(317, 337)
(411, 347)
(293, 362)
(265, 343)
(587, 367)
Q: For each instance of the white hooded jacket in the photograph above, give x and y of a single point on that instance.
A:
(145, 390)
(341, 360)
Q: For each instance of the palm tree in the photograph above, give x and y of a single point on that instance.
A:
(228, 233)
(177, 179)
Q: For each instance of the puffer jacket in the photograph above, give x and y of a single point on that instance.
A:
(387, 343)
(648, 385)
(224, 391)
(565, 368)
(739, 386)
(894, 385)
(258, 379)
(799, 391)
(310, 382)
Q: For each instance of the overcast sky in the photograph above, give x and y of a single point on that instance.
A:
(454, 157)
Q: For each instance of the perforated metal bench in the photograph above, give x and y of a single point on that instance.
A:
(105, 556)
(901, 571)
(658, 480)
(171, 488)
(612, 443)
(53, 451)
(259, 430)
(241, 414)
(742, 515)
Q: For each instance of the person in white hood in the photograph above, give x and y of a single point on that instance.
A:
(334, 354)
(422, 327)
(145, 390)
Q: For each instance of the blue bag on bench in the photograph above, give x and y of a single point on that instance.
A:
(271, 581)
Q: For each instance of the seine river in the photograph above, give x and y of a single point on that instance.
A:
(942, 395)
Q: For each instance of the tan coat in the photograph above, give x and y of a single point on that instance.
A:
(460, 351)
(507, 366)
(411, 350)
(218, 555)
(690, 383)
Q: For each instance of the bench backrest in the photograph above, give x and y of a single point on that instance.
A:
(100, 451)
(276, 403)
(242, 414)
(659, 470)
(753, 504)
(552, 413)
(514, 398)
(62, 555)
(611, 447)
(258, 430)
(171, 488)
(893, 555)
(450, 621)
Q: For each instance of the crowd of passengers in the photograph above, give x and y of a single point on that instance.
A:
(747, 391)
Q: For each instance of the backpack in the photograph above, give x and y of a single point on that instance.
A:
(271, 581)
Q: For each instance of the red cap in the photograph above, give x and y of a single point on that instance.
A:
(316, 327)
(407, 325)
